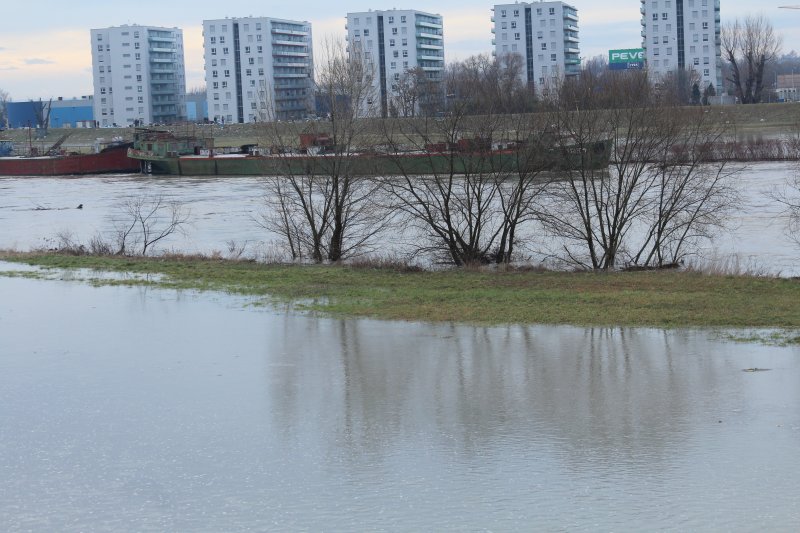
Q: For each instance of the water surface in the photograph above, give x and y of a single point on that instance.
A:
(154, 410)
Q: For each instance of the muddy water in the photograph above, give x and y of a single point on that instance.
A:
(34, 210)
(152, 410)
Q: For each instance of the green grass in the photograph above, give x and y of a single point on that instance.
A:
(658, 299)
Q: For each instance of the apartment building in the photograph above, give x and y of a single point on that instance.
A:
(139, 75)
(258, 69)
(393, 42)
(544, 34)
(683, 34)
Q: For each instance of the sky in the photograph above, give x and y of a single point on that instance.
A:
(45, 49)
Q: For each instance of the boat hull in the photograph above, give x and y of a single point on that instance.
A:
(113, 159)
(357, 165)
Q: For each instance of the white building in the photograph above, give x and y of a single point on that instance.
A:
(258, 69)
(683, 34)
(393, 42)
(139, 75)
(544, 34)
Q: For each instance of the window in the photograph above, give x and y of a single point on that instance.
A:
(504, 25)
(136, 46)
(248, 72)
(553, 57)
(516, 12)
(395, 53)
(246, 49)
(258, 26)
(544, 46)
(99, 47)
(552, 11)
(393, 65)
(404, 42)
(516, 36)
(214, 74)
(366, 32)
(213, 51)
(227, 73)
(664, 40)
(405, 53)
(213, 40)
(705, 25)
(394, 31)
(138, 77)
(251, 61)
(503, 13)
(391, 42)
(513, 24)
(215, 85)
(403, 18)
(391, 20)
(225, 51)
(664, 16)
(221, 39)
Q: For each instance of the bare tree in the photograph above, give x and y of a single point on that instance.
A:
(467, 183)
(143, 221)
(653, 199)
(323, 203)
(480, 84)
(748, 47)
(4, 99)
(414, 93)
(789, 197)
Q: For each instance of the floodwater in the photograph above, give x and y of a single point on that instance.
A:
(136, 409)
(34, 210)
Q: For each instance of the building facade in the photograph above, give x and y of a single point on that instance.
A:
(683, 35)
(258, 69)
(139, 75)
(392, 43)
(544, 34)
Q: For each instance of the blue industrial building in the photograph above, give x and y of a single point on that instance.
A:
(72, 113)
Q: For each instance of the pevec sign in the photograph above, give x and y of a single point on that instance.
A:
(626, 59)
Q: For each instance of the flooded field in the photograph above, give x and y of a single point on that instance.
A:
(33, 211)
(152, 410)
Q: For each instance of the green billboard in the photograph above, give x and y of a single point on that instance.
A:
(626, 59)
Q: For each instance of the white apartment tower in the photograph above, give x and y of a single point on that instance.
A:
(139, 75)
(394, 42)
(683, 34)
(544, 34)
(258, 69)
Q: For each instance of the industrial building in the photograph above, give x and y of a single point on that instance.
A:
(391, 43)
(544, 34)
(139, 75)
(56, 113)
(683, 35)
(258, 69)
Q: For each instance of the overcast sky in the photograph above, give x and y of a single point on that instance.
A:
(45, 52)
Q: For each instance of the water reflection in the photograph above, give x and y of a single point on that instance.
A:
(136, 409)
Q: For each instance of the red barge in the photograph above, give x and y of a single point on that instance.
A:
(112, 158)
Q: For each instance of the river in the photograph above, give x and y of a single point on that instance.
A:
(138, 409)
(34, 210)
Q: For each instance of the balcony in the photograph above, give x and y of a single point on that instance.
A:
(570, 16)
(572, 50)
(423, 24)
(570, 27)
(161, 60)
(290, 43)
(423, 57)
(571, 39)
(159, 50)
(156, 38)
(289, 75)
(426, 35)
(289, 32)
(430, 47)
(284, 53)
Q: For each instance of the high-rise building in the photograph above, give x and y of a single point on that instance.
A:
(683, 35)
(394, 42)
(544, 35)
(258, 69)
(139, 75)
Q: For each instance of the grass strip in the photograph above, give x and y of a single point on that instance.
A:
(665, 299)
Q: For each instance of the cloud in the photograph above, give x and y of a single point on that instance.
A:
(38, 61)
(9, 68)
